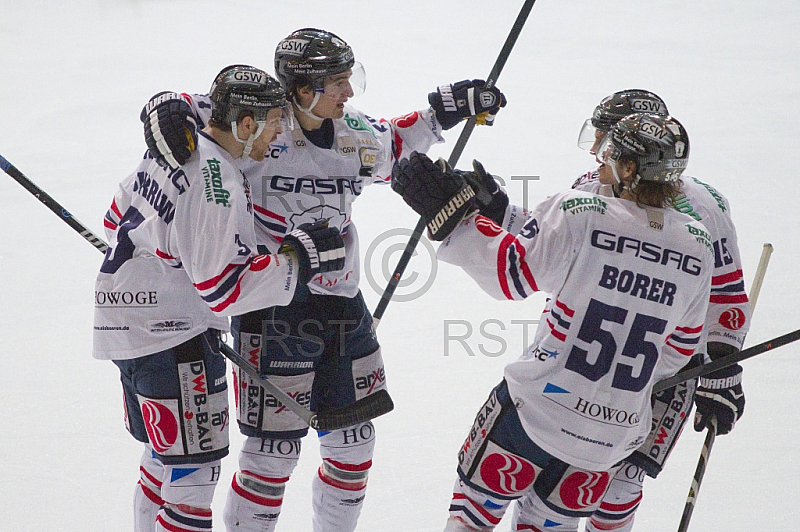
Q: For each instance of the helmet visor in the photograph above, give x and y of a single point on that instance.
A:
(607, 153)
(352, 82)
(284, 120)
(590, 136)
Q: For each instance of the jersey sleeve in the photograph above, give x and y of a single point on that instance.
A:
(729, 312)
(215, 239)
(416, 131)
(514, 265)
(201, 105)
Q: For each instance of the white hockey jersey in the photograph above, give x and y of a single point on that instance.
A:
(182, 256)
(301, 182)
(629, 288)
(728, 318)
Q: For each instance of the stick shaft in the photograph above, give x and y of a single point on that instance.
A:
(455, 155)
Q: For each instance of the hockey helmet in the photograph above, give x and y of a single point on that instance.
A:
(659, 145)
(308, 56)
(614, 108)
(239, 88)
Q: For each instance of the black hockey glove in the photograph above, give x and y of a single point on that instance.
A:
(453, 103)
(170, 129)
(719, 395)
(438, 194)
(490, 198)
(319, 249)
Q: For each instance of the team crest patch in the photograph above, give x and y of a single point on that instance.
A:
(504, 473)
(161, 422)
(580, 490)
(732, 319)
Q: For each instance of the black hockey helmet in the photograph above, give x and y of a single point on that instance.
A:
(614, 108)
(659, 145)
(307, 56)
(623, 103)
(240, 88)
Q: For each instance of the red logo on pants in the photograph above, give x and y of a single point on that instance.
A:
(161, 425)
(507, 474)
(583, 489)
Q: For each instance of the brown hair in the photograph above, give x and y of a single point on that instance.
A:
(651, 193)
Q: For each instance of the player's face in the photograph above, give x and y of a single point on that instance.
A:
(272, 128)
(337, 90)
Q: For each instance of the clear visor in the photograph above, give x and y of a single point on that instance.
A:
(609, 154)
(349, 83)
(589, 136)
(283, 121)
(606, 152)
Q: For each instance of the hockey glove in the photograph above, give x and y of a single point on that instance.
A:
(440, 195)
(170, 129)
(319, 249)
(489, 197)
(453, 103)
(719, 395)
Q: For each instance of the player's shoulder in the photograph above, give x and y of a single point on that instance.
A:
(701, 192)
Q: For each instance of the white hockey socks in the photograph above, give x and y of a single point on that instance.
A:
(255, 497)
(340, 486)
(147, 497)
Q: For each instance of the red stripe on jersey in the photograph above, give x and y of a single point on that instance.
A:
(210, 283)
(681, 350)
(690, 330)
(502, 265)
(726, 278)
(723, 299)
(526, 271)
(271, 214)
(561, 336)
(486, 515)
(115, 208)
(230, 299)
(109, 224)
(568, 311)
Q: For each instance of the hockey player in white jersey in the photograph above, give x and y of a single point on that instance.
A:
(629, 279)
(182, 257)
(720, 394)
(321, 348)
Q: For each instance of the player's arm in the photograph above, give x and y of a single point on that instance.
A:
(505, 265)
(216, 242)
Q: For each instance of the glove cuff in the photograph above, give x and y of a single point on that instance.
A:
(723, 378)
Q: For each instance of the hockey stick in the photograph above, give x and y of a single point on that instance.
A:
(729, 360)
(458, 149)
(370, 407)
(52, 204)
(711, 435)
